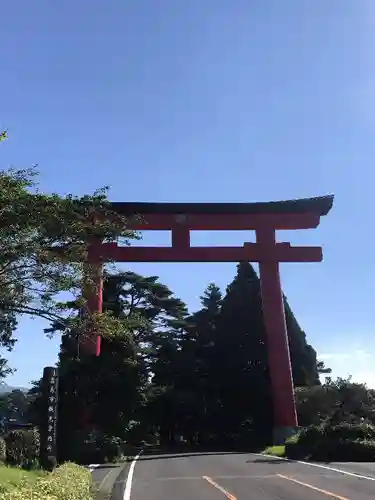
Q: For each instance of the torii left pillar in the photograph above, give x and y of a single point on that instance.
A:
(90, 343)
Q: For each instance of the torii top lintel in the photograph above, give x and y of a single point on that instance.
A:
(291, 214)
(181, 218)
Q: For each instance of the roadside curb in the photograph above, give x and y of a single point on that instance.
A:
(321, 466)
(117, 490)
(103, 490)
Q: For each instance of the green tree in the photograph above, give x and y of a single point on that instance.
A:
(35, 404)
(242, 357)
(8, 321)
(241, 360)
(180, 398)
(303, 356)
(5, 370)
(113, 385)
(322, 368)
(336, 401)
(8, 324)
(43, 244)
(14, 405)
(196, 382)
(164, 319)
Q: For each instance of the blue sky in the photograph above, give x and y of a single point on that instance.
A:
(214, 100)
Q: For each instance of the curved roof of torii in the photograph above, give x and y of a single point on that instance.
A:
(320, 205)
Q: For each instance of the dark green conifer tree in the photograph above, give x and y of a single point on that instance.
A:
(241, 361)
(112, 386)
(197, 377)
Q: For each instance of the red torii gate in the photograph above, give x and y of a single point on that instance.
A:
(265, 219)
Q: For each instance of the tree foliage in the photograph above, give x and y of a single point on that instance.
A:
(113, 385)
(43, 247)
(169, 374)
(336, 401)
(14, 405)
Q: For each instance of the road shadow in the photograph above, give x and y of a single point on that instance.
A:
(266, 460)
(161, 456)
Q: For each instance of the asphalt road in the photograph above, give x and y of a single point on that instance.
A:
(235, 476)
(109, 481)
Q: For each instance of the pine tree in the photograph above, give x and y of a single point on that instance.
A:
(115, 385)
(242, 355)
(303, 356)
(241, 360)
(197, 378)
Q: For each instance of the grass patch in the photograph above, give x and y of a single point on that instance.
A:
(275, 451)
(68, 482)
(13, 476)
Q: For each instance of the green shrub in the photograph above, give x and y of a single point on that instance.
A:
(360, 450)
(303, 444)
(111, 447)
(22, 447)
(310, 435)
(343, 442)
(350, 431)
(357, 450)
(293, 449)
(3, 450)
(96, 447)
(68, 482)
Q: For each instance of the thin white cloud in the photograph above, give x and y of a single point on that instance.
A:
(367, 378)
(358, 353)
(323, 357)
(358, 363)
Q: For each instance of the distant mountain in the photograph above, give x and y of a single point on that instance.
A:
(5, 388)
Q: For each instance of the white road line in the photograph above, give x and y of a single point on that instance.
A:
(311, 487)
(310, 464)
(91, 467)
(128, 485)
(347, 473)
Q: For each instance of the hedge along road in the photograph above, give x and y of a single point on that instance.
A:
(235, 476)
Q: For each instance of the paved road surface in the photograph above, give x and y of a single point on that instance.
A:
(239, 476)
(106, 481)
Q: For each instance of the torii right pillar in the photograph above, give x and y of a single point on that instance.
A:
(279, 362)
(280, 369)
